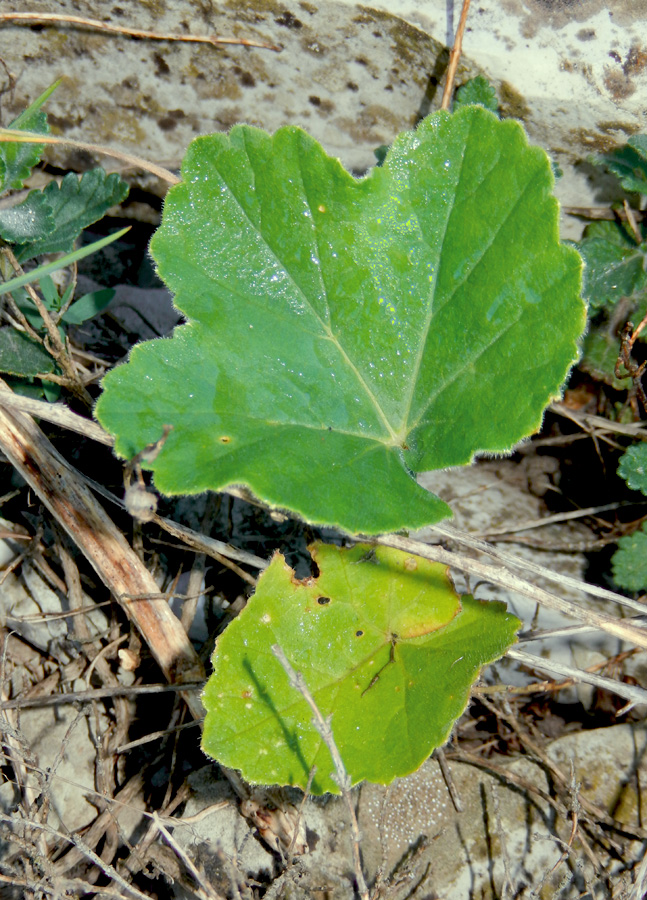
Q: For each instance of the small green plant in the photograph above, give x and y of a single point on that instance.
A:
(630, 559)
(47, 221)
(343, 334)
(615, 286)
(615, 272)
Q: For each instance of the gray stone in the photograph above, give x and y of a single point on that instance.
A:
(506, 838)
(575, 73)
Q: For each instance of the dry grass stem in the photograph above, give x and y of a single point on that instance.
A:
(526, 565)
(529, 524)
(57, 414)
(634, 695)
(210, 546)
(89, 696)
(297, 681)
(454, 56)
(76, 511)
(588, 421)
(97, 25)
(14, 136)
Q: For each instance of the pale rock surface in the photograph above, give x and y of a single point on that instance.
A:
(505, 831)
(573, 71)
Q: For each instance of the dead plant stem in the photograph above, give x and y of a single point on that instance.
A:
(454, 56)
(297, 681)
(14, 136)
(98, 25)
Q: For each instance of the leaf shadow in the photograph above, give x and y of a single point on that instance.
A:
(290, 736)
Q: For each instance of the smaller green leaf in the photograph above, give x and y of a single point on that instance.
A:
(87, 306)
(76, 203)
(600, 352)
(477, 92)
(629, 163)
(30, 220)
(633, 467)
(18, 159)
(50, 391)
(386, 648)
(36, 274)
(381, 154)
(629, 562)
(19, 355)
(50, 293)
(614, 265)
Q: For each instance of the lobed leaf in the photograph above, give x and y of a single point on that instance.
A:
(614, 265)
(344, 333)
(629, 562)
(76, 203)
(629, 163)
(600, 355)
(633, 467)
(386, 648)
(477, 91)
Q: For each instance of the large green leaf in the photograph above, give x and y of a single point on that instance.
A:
(76, 202)
(343, 332)
(385, 647)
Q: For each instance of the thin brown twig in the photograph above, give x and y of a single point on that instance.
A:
(532, 747)
(302, 806)
(204, 891)
(627, 340)
(57, 414)
(454, 56)
(631, 221)
(529, 524)
(525, 565)
(56, 347)
(635, 695)
(297, 681)
(77, 841)
(14, 136)
(97, 25)
(99, 694)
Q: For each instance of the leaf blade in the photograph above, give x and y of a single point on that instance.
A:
(333, 303)
(339, 631)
